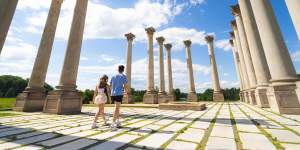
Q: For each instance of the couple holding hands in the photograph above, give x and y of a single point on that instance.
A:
(114, 90)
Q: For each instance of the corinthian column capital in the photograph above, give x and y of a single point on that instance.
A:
(209, 38)
(160, 40)
(187, 43)
(150, 31)
(130, 36)
(233, 24)
(168, 46)
(235, 10)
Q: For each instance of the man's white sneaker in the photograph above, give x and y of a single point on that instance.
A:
(118, 123)
(94, 126)
(113, 126)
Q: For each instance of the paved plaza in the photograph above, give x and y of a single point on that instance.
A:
(220, 126)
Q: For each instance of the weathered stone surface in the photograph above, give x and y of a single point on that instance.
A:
(291, 146)
(191, 134)
(179, 145)
(155, 140)
(115, 142)
(220, 143)
(284, 135)
(256, 141)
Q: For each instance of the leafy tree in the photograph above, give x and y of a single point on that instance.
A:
(87, 96)
(13, 85)
(11, 92)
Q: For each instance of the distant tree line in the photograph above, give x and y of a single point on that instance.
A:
(11, 86)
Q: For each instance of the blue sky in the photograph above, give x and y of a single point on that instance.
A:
(104, 45)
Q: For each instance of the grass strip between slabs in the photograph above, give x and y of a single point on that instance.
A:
(274, 141)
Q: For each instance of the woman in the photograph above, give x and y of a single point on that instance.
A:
(100, 98)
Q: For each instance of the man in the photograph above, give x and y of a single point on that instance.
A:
(118, 85)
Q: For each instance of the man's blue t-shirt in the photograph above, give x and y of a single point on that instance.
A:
(117, 83)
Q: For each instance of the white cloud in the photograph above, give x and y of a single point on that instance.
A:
(296, 56)
(196, 2)
(176, 36)
(103, 22)
(17, 57)
(140, 71)
(223, 44)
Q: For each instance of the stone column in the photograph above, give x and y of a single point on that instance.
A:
(244, 72)
(260, 65)
(171, 96)
(150, 96)
(33, 98)
(66, 99)
(192, 96)
(162, 95)
(130, 37)
(282, 95)
(7, 11)
(237, 65)
(217, 95)
(294, 9)
(246, 52)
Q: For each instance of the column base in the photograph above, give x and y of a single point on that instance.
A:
(30, 100)
(218, 97)
(251, 97)
(283, 99)
(127, 99)
(150, 98)
(63, 102)
(163, 98)
(246, 97)
(241, 97)
(261, 97)
(192, 97)
(171, 98)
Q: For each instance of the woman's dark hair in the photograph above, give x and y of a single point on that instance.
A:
(103, 81)
(121, 68)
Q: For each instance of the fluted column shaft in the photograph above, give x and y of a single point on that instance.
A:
(72, 56)
(214, 70)
(129, 38)
(190, 66)
(281, 93)
(244, 72)
(260, 65)
(40, 67)
(169, 63)
(277, 55)
(237, 62)
(150, 32)
(294, 9)
(7, 11)
(162, 89)
(256, 49)
(245, 47)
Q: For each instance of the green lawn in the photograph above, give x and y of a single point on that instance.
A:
(6, 103)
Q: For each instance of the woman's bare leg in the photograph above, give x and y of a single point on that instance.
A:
(97, 114)
(102, 112)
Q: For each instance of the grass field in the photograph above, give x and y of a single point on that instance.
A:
(6, 103)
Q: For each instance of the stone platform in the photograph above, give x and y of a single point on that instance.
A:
(182, 106)
(225, 126)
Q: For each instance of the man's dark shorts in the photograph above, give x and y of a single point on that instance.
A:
(118, 98)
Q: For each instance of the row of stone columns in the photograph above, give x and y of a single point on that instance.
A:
(65, 99)
(150, 96)
(267, 74)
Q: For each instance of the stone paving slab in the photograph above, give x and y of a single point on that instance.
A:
(180, 145)
(152, 128)
(256, 141)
